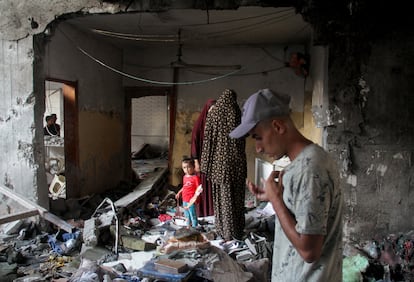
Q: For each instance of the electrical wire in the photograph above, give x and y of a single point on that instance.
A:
(271, 55)
(250, 26)
(173, 38)
(155, 81)
(144, 79)
(247, 73)
(141, 37)
(233, 20)
(242, 19)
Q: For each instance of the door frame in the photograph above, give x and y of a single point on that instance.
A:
(140, 91)
(71, 135)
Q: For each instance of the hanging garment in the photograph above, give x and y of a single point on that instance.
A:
(223, 160)
(205, 205)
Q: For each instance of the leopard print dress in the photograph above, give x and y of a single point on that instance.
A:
(223, 160)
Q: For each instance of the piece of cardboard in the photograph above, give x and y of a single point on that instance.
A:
(170, 266)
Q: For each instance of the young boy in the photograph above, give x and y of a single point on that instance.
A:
(190, 191)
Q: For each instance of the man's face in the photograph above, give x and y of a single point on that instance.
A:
(267, 140)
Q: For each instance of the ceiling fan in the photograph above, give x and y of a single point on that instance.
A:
(179, 63)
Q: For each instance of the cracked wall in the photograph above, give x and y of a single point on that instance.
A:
(18, 165)
(20, 111)
(373, 134)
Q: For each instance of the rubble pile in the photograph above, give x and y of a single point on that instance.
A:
(388, 258)
(144, 242)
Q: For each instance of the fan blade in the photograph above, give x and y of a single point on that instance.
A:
(181, 64)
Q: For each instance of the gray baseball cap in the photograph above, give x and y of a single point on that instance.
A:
(261, 105)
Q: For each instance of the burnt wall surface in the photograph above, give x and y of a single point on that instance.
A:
(371, 67)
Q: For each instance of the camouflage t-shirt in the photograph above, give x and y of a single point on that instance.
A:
(312, 194)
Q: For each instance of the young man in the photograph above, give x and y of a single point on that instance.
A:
(306, 196)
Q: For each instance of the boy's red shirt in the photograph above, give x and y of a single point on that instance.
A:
(190, 184)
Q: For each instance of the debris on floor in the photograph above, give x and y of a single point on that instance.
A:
(138, 234)
(131, 234)
(388, 258)
(150, 243)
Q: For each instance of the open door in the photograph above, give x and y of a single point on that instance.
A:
(61, 138)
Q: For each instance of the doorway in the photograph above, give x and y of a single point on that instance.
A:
(150, 119)
(61, 138)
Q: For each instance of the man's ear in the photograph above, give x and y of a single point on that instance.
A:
(279, 126)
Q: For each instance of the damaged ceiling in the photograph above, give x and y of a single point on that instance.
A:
(190, 27)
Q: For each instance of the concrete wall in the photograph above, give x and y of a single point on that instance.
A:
(373, 135)
(18, 167)
(21, 122)
(100, 101)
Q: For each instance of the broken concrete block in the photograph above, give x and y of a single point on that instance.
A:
(137, 244)
(12, 227)
(90, 232)
(94, 253)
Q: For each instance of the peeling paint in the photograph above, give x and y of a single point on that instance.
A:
(13, 28)
(7, 182)
(31, 99)
(9, 117)
(377, 154)
(382, 169)
(352, 179)
(30, 54)
(318, 116)
(333, 115)
(364, 91)
(398, 156)
(369, 169)
(352, 200)
(25, 152)
(346, 163)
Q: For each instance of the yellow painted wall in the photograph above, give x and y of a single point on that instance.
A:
(184, 123)
(100, 151)
(309, 127)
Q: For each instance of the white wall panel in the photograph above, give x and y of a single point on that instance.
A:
(149, 122)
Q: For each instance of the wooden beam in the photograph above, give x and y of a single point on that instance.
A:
(19, 215)
(44, 213)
